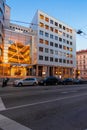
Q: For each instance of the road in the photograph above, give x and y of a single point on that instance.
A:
(44, 108)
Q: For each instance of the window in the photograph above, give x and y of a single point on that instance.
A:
(56, 37)
(41, 25)
(46, 58)
(41, 41)
(47, 27)
(60, 46)
(56, 45)
(51, 59)
(64, 61)
(51, 21)
(60, 39)
(46, 50)
(67, 42)
(70, 43)
(40, 57)
(64, 47)
(41, 49)
(56, 31)
(67, 61)
(56, 52)
(51, 36)
(60, 26)
(56, 24)
(51, 51)
(60, 60)
(41, 32)
(64, 40)
(51, 43)
(46, 19)
(70, 37)
(64, 28)
(46, 42)
(51, 29)
(41, 16)
(46, 34)
(56, 59)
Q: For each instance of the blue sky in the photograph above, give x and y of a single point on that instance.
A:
(71, 12)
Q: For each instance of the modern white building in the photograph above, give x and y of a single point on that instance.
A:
(56, 46)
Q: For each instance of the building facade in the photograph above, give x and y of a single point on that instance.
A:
(81, 59)
(2, 12)
(56, 46)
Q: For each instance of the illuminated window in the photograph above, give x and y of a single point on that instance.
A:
(41, 25)
(41, 41)
(71, 49)
(70, 30)
(47, 27)
(46, 42)
(41, 16)
(46, 19)
(56, 31)
(51, 29)
(64, 47)
(41, 49)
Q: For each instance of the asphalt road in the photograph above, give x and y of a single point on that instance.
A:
(44, 108)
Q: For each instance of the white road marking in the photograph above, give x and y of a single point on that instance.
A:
(47, 101)
(2, 106)
(8, 124)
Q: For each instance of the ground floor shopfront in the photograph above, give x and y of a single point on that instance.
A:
(21, 70)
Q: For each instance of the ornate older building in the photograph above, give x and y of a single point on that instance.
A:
(81, 59)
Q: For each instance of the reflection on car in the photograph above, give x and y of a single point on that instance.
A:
(51, 80)
(67, 81)
(25, 82)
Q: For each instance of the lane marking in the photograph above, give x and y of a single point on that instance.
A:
(8, 124)
(2, 106)
(47, 101)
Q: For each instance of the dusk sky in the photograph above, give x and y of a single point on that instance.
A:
(71, 12)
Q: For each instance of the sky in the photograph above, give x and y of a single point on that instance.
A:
(71, 12)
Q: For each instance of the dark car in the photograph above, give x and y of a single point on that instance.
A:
(51, 80)
(67, 81)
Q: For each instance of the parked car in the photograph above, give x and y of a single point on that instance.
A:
(51, 80)
(25, 82)
(79, 81)
(67, 81)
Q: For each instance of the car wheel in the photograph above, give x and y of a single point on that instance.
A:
(34, 84)
(19, 85)
(45, 84)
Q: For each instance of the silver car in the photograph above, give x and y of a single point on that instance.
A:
(25, 82)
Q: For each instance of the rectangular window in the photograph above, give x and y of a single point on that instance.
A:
(51, 51)
(41, 25)
(56, 59)
(46, 19)
(56, 37)
(46, 50)
(41, 49)
(51, 59)
(41, 32)
(60, 60)
(47, 27)
(56, 45)
(60, 46)
(56, 24)
(51, 21)
(51, 29)
(51, 36)
(46, 34)
(51, 43)
(46, 58)
(40, 57)
(41, 41)
(41, 16)
(46, 42)
(60, 39)
(60, 26)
